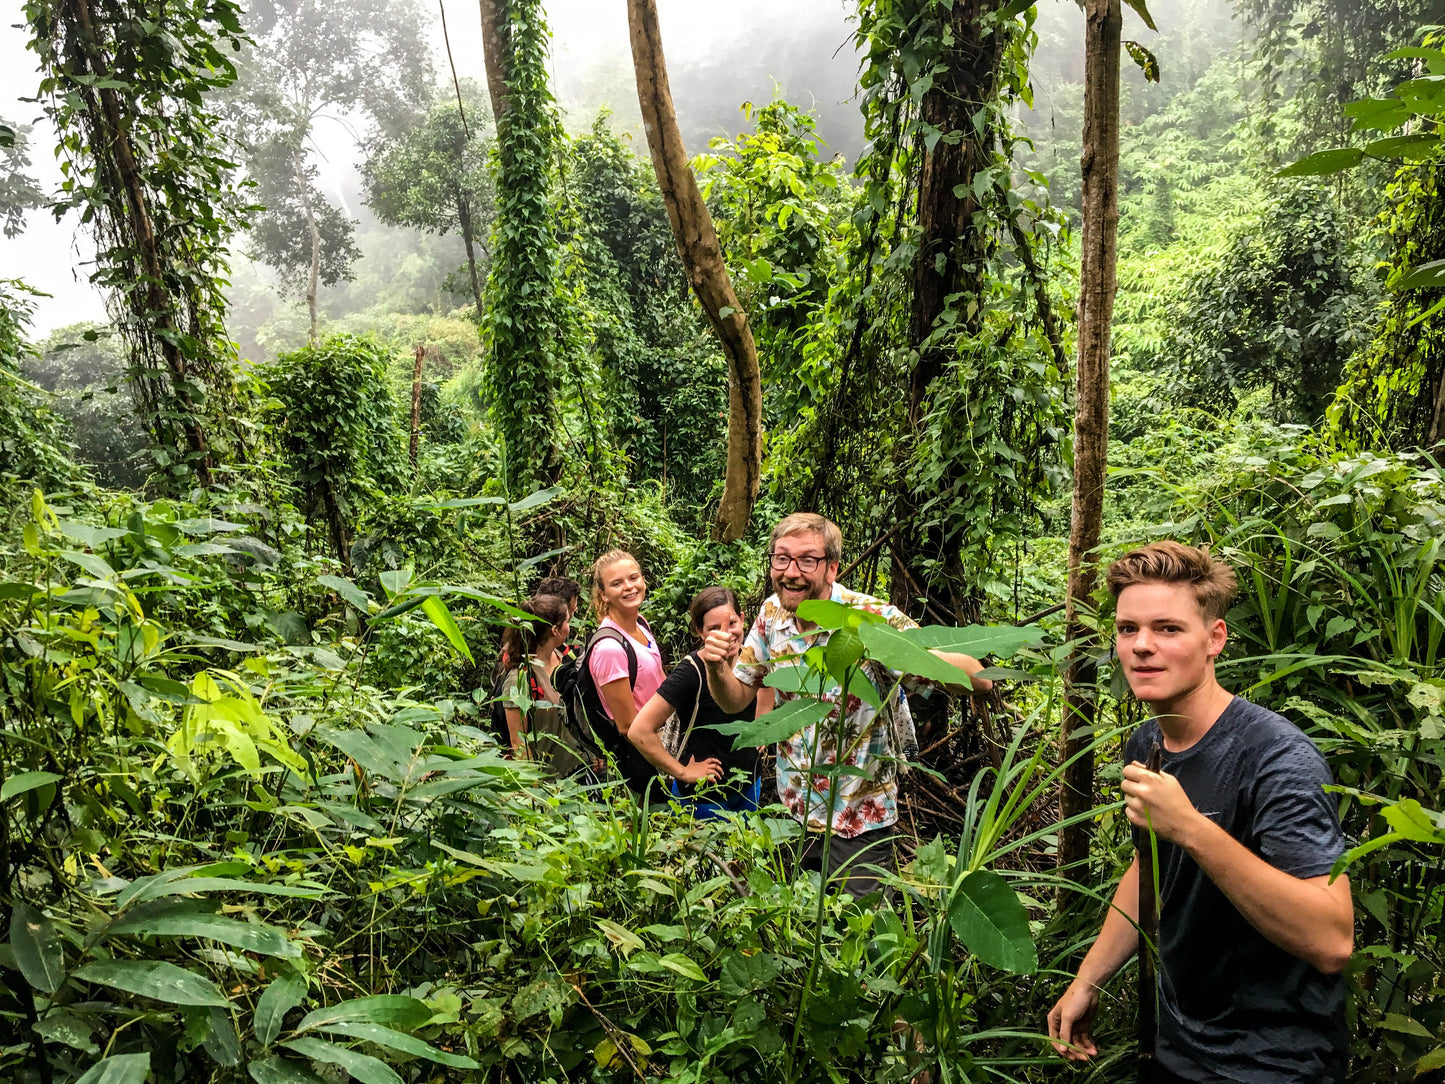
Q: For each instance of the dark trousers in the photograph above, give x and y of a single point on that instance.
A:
(859, 854)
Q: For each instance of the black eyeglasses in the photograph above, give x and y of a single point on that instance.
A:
(806, 563)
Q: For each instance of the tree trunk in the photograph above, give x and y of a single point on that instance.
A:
(143, 233)
(1097, 285)
(416, 405)
(495, 50)
(464, 220)
(702, 260)
(313, 277)
(951, 261)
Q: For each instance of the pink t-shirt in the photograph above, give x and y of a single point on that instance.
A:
(608, 662)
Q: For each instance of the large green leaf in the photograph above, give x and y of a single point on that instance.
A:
(1413, 148)
(976, 640)
(26, 781)
(827, 614)
(1423, 276)
(442, 618)
(279, 998)
(154, 979)
(1142, 10)
(96, 566)
(176, 882)
(222, 1042)
(353, 595)
(988, 918)
(362, 1067)
(407, 1044)
(776, 725)
(274, 1069)
(895, 650)
(37, 949)
(535, 500)
(182, 922)
(118, 1069)
(1322, 162)
(394, 581)
(407, 1012)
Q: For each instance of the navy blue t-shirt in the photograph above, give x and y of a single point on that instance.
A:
(1232, 1004)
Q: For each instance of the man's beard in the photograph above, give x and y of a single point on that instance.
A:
(808, 592)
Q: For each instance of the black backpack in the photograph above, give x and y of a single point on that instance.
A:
(588, 721)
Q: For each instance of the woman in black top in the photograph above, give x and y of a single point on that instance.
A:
(729, 777)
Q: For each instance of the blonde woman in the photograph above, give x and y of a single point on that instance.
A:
(623, 658)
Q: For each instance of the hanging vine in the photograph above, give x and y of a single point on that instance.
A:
(149, 171)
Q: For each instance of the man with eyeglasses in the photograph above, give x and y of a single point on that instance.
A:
(803, 556)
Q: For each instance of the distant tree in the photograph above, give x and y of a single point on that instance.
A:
(84, 367)
(313, 59)
(1283, 309)
(435, 178)
(18, 191)
(33, 448)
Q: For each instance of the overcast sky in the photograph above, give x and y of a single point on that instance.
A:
(588, 35)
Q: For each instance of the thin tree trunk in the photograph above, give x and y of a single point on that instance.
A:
(314, 276)
(1437, 423)
(336, 523)
(416, 405)
(697, 245)
(145, 239)
(464, 219)
(1097, 283)
(495, 52)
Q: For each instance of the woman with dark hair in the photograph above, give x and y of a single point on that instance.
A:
(529, 655)
(728, 777)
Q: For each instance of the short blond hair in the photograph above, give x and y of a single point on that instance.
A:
(806, 522)
(1212, 581)
(599, 568)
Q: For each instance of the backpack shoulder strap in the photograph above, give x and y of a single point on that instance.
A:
(623, 639)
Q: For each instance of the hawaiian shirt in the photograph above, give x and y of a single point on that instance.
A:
(873, 741)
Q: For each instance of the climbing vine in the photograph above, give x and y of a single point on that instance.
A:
(980, 442)
(150, 172)
(521, 328)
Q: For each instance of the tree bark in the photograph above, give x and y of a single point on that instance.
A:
(697, 245)
(495, 50)
(416, 405)
(143, 232)
(1097, 284)
(313, 278)
(464, 220)
(951, 261)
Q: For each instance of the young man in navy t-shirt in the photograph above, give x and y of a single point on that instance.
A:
(1253, 933)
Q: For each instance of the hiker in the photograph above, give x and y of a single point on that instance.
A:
(803, 556)
(625, 666)
(570, 592)
(706, 755)
(1252, 932)
(532, 651)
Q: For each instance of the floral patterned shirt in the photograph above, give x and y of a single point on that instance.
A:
(862, 802)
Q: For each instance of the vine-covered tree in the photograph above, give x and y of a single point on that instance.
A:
(435, 178)
(151, 173)
(337, 427)
(521, 326)
(312, 59)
